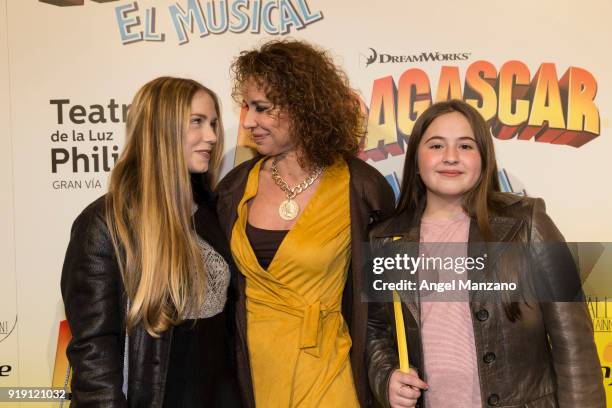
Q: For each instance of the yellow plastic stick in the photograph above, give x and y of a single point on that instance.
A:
(402, 344)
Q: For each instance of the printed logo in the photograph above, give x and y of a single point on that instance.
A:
(437, 56)
(372, 57)
(202, 18)
(516, 104)
(6, 328)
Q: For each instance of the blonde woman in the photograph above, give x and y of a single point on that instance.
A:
(145, 277)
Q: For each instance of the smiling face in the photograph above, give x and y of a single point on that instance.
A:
(201, 134)
(270, 128)
(449, 161)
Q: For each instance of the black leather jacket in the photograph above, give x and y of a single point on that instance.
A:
(546, 359)
(95, 304)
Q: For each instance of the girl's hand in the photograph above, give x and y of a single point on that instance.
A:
(405, 389)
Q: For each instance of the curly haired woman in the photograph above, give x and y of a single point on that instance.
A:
(297, 218)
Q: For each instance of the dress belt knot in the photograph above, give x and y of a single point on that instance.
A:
(311, 316)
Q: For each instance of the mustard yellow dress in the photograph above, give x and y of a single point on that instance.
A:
(298, 340)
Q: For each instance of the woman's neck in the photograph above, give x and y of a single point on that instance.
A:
(289, 167)
(442, 208)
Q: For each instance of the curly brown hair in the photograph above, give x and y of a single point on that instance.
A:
(301, 79)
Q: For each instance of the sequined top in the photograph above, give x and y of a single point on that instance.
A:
(217, 281)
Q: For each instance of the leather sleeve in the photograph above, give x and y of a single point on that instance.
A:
(568, 324)
(385, 200)
(381, 354)
(91, 291)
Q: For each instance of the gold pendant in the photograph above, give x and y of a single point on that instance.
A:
(288, 210)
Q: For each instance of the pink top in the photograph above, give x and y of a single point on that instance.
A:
(451, 369)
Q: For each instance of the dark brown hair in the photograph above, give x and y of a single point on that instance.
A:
(327, 122)
(481, 201)
(481, 198)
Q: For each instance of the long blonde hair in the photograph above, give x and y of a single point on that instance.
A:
(149, 207)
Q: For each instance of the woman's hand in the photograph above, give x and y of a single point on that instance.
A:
(405, 388)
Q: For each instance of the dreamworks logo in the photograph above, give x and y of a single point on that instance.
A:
(384, 58)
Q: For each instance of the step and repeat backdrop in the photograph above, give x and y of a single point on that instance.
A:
(540, 73)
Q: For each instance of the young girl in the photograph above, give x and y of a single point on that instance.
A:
(488, 350)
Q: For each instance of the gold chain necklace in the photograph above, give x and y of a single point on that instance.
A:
(289, 208)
